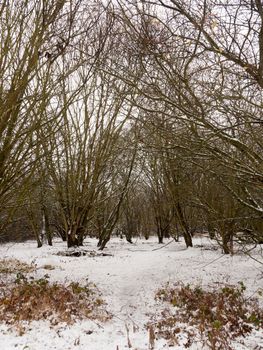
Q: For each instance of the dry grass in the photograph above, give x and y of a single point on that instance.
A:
(28, 300)
(48, 267)
(213, 316)
(8, 266)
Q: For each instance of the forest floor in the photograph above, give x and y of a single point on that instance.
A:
(128, 279)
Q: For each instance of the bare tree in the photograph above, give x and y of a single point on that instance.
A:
(34, 36)
(192, 66)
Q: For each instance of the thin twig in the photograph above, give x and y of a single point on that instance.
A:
(163, 246)
(211, 262)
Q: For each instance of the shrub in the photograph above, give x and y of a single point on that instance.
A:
(214, 316)
(36, 299)
(14, 266)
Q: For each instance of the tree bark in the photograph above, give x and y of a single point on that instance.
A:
(186, 233)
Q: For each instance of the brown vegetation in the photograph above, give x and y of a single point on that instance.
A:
(38, 299)
(8, 266)
(214, 316)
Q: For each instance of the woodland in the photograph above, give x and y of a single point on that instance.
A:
(134, 118)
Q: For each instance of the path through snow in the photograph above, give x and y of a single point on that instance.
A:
(128, 281)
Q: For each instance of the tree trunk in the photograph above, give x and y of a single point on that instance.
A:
(47, 227)
(184, 226)
(160, 238)
(227, 242)
(39, 243)
(159, 229)
(187, 238)
(211, 230)
(128, 239)
(128, 233)
(72, 240)
(80, 237)
(104, 241)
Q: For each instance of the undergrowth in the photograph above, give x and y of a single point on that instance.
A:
(214, 317)
(38, 299)
(8, 266)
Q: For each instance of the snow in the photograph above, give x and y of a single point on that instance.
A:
(128, 281)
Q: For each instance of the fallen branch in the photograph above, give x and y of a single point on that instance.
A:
(163, 245)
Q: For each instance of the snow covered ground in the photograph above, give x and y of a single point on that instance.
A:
(128, 281)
